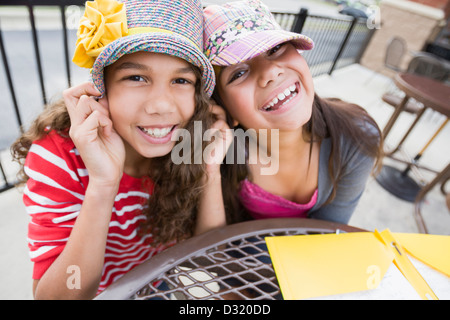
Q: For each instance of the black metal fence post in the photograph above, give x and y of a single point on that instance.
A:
(65, 43)
(36, 52)
(344, 43)
(9, 80)
(300, 20)
(6, 185)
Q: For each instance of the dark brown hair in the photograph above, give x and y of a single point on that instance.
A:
(171, 209)
(331, 118)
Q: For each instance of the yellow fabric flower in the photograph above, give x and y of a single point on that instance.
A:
(103, 22)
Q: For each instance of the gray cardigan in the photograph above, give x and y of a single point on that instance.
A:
(356, 168)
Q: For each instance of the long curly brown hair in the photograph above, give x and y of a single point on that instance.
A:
(171, 209)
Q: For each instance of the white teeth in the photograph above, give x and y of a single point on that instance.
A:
(157, 132)
(281, 96)
(292, 97)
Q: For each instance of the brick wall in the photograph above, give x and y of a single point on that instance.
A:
(414, 22)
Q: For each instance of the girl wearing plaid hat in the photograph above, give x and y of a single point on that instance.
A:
(101, 188)
(326, 148)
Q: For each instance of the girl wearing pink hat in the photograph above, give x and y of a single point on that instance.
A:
(326, 149)
(101, 188)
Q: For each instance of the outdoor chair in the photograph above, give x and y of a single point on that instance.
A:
(393, 56)
(428, 66)
(394, 100)
(424, 65)
(395, 52)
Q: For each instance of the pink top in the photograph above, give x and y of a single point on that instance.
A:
(262, 204)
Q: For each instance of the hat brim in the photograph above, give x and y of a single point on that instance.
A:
(253, 44)
(157, 42)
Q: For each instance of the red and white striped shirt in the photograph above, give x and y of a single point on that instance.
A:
(53, 197)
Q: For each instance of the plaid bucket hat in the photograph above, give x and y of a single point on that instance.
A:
(110, 29)
(239, 31)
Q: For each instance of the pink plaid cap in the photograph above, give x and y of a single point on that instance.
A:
(241, 30)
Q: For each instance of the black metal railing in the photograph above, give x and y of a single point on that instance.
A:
(34, 60)
(338, 41)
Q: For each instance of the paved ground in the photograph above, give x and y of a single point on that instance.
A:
(377, 209)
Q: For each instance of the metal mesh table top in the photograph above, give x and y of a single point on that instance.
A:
(231, 263)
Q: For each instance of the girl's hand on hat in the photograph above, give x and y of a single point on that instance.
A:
(92, 132)
(223, 136)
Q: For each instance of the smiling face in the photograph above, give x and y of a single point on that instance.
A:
(271, 91)
(149, 96)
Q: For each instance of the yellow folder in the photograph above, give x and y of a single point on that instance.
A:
(403, 263)
(310, 266)
(433, 250)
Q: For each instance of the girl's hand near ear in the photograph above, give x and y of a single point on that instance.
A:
(92, 132)
(103, 153)
(211, 213)
(221, 136)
